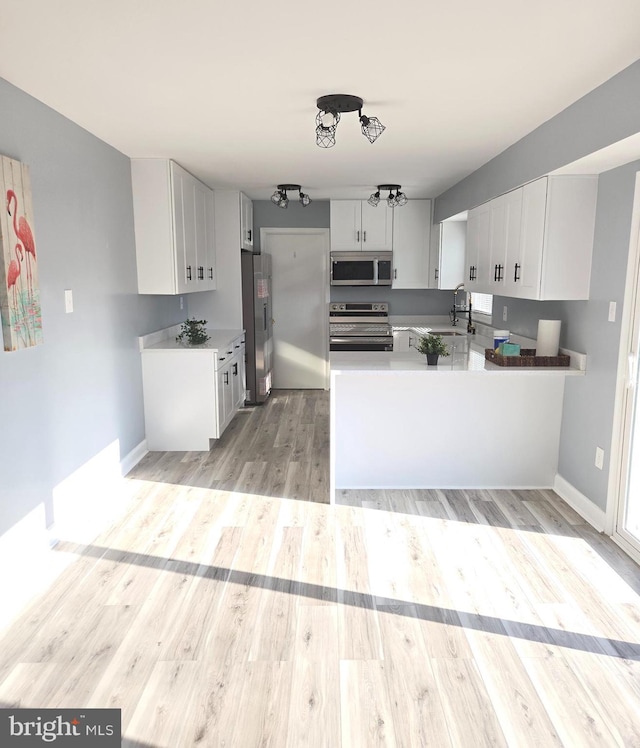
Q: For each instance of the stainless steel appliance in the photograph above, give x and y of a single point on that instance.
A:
(359, 326)
(256, 319)
(361, 268)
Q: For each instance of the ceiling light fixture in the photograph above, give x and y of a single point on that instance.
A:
(330, 108)
(393, 201)
(280, 198)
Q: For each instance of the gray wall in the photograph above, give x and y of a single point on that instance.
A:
(316, 215)
(607, 114)
(66, 400)
(296, 216)
(604, 116)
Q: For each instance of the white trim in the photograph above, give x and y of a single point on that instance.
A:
(618, 454)
(578, 501)
(129, 461)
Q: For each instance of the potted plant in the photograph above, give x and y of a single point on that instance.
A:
(432, 346)
(193, 332)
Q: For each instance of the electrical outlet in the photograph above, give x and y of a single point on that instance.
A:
(599, 458)
(182, 302)
(68, 301)
(504, 313)
(612, 311)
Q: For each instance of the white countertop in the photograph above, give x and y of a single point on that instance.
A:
(467, 354)
(165, 340)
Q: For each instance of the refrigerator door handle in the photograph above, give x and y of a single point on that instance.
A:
(264, 313)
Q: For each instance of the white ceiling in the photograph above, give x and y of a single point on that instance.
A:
(228, 89)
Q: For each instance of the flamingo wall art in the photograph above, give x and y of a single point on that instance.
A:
(19, 291)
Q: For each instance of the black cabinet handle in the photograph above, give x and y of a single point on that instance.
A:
(495, 272)
(395, 273)
(189, 272)
(249, 232)
(210, 273)
(358, 236)
(436, 273)
(516, 272)
(364, 236)
(235, 370)
(201, 273)
(226, 377)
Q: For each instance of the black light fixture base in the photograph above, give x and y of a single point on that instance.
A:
(339, 103)
(389, 187)
(287, 187)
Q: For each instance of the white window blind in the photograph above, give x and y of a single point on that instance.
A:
(482, 303)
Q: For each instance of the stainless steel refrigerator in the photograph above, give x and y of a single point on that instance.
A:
(256, 319)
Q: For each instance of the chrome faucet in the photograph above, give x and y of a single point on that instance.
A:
(457, 310)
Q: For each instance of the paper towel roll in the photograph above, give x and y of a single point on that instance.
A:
(548, 337)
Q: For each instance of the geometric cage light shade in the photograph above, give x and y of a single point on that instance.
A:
(330, 108)
(393, 201)
(280, 198)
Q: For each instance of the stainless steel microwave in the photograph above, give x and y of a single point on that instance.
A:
(361, 268)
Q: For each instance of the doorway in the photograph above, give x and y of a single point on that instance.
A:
(300, 297)
(625, 474)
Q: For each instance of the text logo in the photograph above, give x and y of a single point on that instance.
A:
(62, 728)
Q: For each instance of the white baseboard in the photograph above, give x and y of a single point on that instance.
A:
(595, 516)
(129, 461)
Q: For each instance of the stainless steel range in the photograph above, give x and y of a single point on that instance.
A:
(359, 326)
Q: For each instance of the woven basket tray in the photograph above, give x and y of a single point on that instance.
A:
(527, 357)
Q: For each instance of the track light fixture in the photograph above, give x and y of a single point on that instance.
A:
(329, 110)
(393, 201)
(280, 198)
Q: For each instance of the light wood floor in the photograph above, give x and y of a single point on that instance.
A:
(231, 607)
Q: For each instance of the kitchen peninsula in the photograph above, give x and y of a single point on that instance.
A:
(465, 423)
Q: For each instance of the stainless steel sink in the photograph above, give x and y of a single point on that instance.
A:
(449, 332)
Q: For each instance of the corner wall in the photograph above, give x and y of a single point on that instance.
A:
(80, 393)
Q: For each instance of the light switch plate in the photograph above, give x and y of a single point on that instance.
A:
(599, 457)
(612, 311)
(68, 300)
(504, 313)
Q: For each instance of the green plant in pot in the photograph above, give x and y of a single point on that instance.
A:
(193, 332)
(432, 346)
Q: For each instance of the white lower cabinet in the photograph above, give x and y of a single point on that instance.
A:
(191, 394)
(230, 381)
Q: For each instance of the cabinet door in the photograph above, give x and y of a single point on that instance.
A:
(411, 243)
(534, 206)
(477, 250)
(377, 227)
(346, 225)
(183, 204)
(246, 222)
(203, 219)
(504, 241)
(451, 252)
(238, 379)
(225, 397)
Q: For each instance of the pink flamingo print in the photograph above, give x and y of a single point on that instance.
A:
(24, 233)
(13, 273)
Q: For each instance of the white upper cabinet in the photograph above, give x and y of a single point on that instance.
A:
(557, 244)
(534, 242)
(174, 229)
(411, 242)
(448, 247)
(356, 225)
(246, 222)
(477, 249)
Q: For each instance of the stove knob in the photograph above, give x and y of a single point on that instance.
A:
(343, 307)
